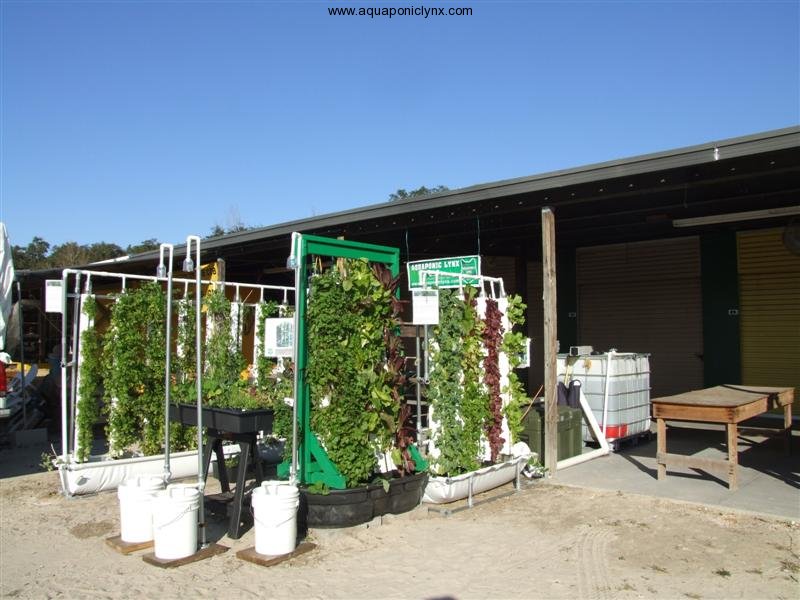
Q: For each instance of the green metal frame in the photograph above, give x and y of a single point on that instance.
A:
(314, 466)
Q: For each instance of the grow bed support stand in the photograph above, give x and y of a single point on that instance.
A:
(248, 453)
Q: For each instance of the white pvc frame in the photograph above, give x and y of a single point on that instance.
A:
(84, 276)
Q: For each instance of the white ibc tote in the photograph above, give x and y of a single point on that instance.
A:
(175, 521)
(275, 514)
(136, 496)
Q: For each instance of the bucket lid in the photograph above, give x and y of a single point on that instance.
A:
(144, 482)
(283, 489)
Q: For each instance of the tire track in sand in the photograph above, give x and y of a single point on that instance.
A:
(592, 558)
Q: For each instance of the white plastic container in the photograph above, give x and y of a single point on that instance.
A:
(136, 496)
(175, 521)
(628, 390)
(275, 514)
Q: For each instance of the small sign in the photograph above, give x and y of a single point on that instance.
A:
(448, 269)
(52, 295)
(525, 356)
(425, 305)
(278, 337)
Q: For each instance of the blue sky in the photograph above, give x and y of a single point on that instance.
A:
(123, 121)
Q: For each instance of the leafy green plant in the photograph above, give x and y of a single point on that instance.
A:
(354, 389)
(513, 346)
(133, 370)
(184, 437)
(91, 377)
(458, 400)
(222, 382)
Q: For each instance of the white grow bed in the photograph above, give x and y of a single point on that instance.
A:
(104, 473)
(441, 490)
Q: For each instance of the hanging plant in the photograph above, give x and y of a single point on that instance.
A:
(454, 389)
(492, 340)
(513, 346)
(355, 393)
(91, 377)
(184, 437)
(133, 370)
(397, 413)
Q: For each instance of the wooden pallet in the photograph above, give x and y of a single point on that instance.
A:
(264, 560)
(117, 543)
(171, 563)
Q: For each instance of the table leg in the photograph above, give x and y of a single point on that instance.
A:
(234, 527)
(733, 455)
(207, 456)
(787, 427)
(661, 447)
(222, 468)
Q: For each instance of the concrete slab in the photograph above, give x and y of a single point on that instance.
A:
(769, 479)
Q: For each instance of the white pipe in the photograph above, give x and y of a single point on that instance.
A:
(76, 314)
(609, 362)
(186, 282)
(64, 448)
(596, 431)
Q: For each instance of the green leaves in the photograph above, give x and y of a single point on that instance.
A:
(459, 401)
(90, 380)
(513, 345)
(355, 404)
(133, 366)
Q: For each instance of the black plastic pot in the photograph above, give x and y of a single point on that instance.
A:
(224, 419)
(345, 508)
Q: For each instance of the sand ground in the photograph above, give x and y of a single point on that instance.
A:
(546, 541)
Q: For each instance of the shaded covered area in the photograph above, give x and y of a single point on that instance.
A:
(647, 248)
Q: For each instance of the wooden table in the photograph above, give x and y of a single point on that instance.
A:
(729, 404)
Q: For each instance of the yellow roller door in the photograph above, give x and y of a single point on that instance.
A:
(769, 304)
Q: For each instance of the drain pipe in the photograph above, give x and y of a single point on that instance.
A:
(189, 266)
(293, 262)
(162, 272)
(598, 434)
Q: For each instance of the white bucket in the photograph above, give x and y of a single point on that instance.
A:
(275, 514)
(175, 521)
(136, 507)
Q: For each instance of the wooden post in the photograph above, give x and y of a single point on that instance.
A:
(550, 345)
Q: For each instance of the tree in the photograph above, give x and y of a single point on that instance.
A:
(33, 256)
(143, 246)
(402, 194)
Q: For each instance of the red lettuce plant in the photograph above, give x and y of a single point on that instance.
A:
(492, 339)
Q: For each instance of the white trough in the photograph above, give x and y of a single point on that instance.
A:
(103, 473)
(441, 490)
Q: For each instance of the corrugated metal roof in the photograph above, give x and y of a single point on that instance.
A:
(780, 139)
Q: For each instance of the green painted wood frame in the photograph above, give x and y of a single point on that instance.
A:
(314, 466)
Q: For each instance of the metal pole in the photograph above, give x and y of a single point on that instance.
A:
(294, 262)
(201, 484)
(167, 379)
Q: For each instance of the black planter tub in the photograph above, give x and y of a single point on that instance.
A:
(345, 508)
(224, 419)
